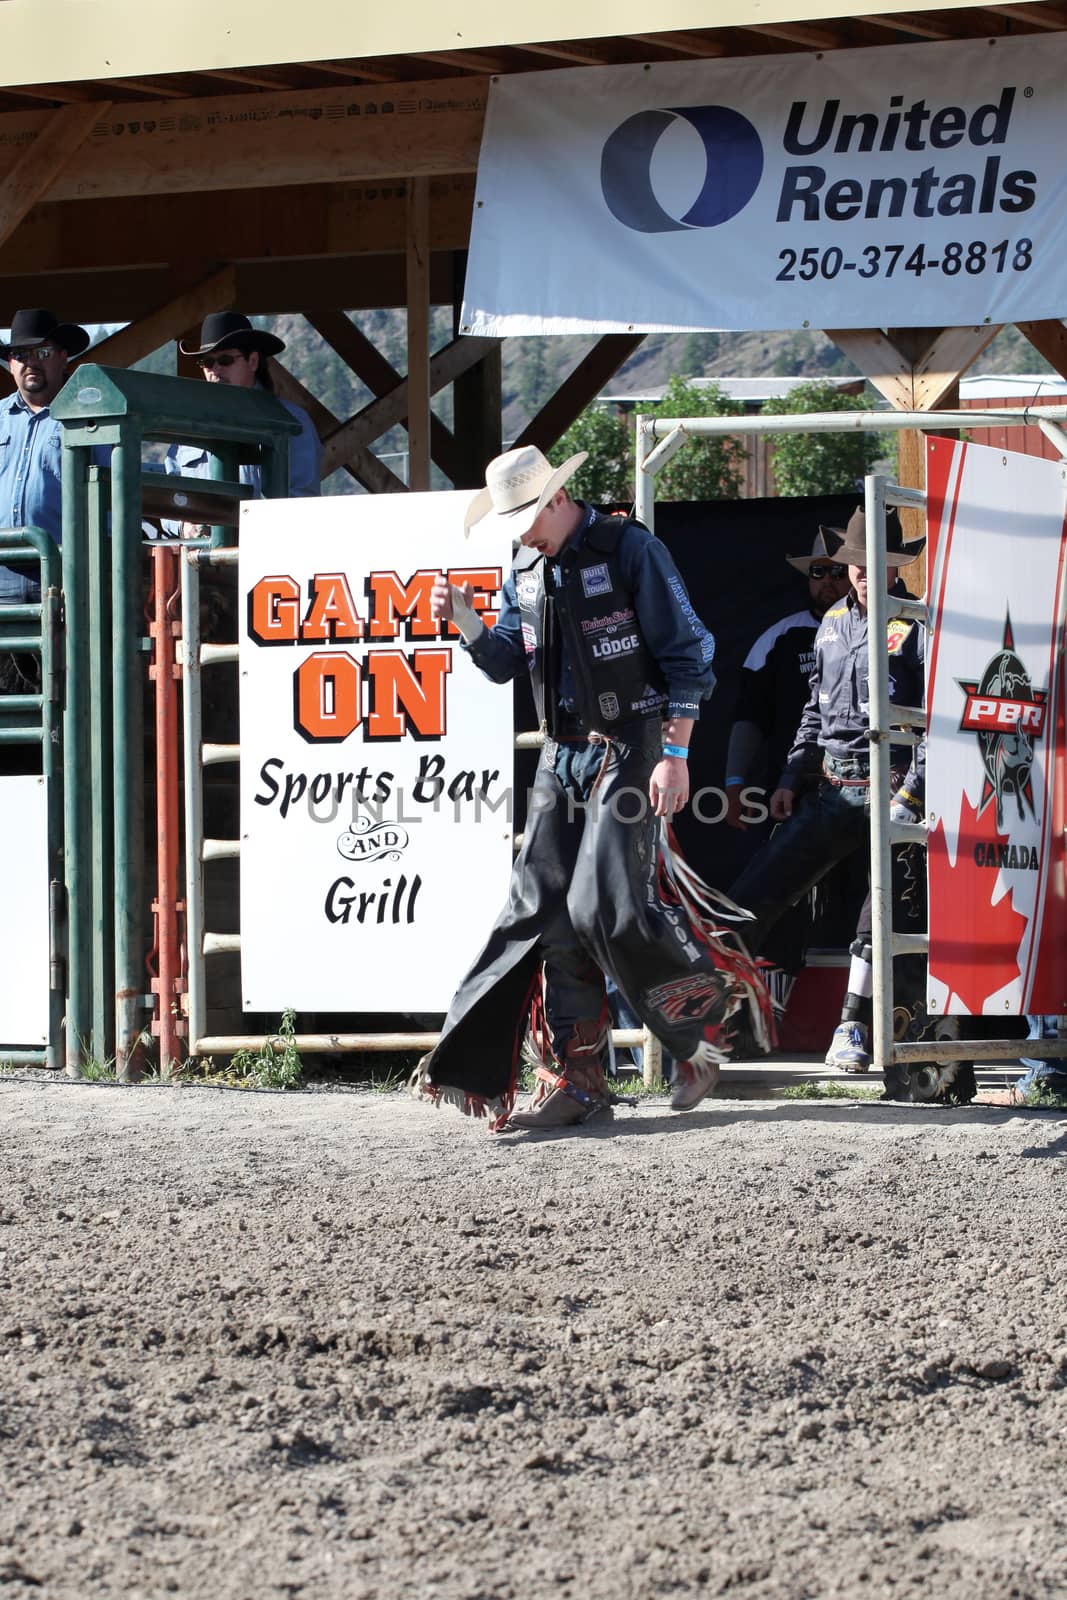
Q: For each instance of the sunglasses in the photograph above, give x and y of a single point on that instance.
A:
(33, 352)
(205, 362)
(835, 570)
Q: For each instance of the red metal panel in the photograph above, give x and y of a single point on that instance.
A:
(1025, 439)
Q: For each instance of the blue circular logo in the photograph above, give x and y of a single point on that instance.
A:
(732, 150)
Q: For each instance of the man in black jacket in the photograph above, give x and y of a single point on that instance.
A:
(776, 677)
(823, 795)
(619, 663)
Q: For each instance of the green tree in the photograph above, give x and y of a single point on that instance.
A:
(535, 383)
(822, 463)
(698, 352)
(607, 477)
(703, 469)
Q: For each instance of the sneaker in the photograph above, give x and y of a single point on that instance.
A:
(848, 1050)
(697, 1077)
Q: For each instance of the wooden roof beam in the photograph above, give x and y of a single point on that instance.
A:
(898, 22)
(1046, 16)
(382, 379)
(951, 353)
(253, 80)
(1049, 339)
(350, 70)
(65, 93)
(881, 362)
(798, 33)
(465, 60)
(577, 56)
(154, 88)
(36, 169)
(238, 225)
(683, 44)
(390, 409)
(362, 464)
(138, 339)
(370, 282)
(324, 135)
(914, 368)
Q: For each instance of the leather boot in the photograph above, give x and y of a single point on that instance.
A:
(578, 1090)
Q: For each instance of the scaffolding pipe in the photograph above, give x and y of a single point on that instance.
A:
(852, 422)
(644, 481)
(878, 694)
(166, 985)
(192, 728)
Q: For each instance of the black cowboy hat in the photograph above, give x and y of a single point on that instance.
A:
(822, 549)
(852, 549)
(38, 326)
(229, 330)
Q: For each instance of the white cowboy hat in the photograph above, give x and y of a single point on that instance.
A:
(518, 485)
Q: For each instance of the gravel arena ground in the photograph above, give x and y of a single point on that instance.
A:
(335, 1344)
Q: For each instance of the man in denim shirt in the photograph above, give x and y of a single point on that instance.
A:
(38, 352)
(597, 614)
(234, 353)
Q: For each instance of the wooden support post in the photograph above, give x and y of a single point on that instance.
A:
(418, 298)
(171, 321)
(42, 161)
(381, 414)
(381, 378)
(946, 357)
(477, 406)
(917, 369)
(477, 397)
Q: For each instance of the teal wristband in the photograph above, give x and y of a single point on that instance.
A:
(679, 750)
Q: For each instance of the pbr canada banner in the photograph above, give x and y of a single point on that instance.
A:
(916, 184)
(376, 761)
(997, 755)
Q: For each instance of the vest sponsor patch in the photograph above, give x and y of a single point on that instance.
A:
(527, 588)
(529, 639)
(596, 580)
(613, 619)
(686, 999)
(603, 649)
(609, 707)
(897, 630)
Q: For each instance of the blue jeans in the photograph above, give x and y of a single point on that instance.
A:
(1051, 1074)
(829, 822)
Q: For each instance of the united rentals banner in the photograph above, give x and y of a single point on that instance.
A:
(376, 763)
(916, 184)
(997, 755)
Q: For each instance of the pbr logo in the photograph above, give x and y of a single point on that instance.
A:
(1007, 714)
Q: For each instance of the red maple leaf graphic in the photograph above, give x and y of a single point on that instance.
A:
(974, 944)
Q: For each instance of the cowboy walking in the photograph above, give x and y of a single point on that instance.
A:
(595, 611)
